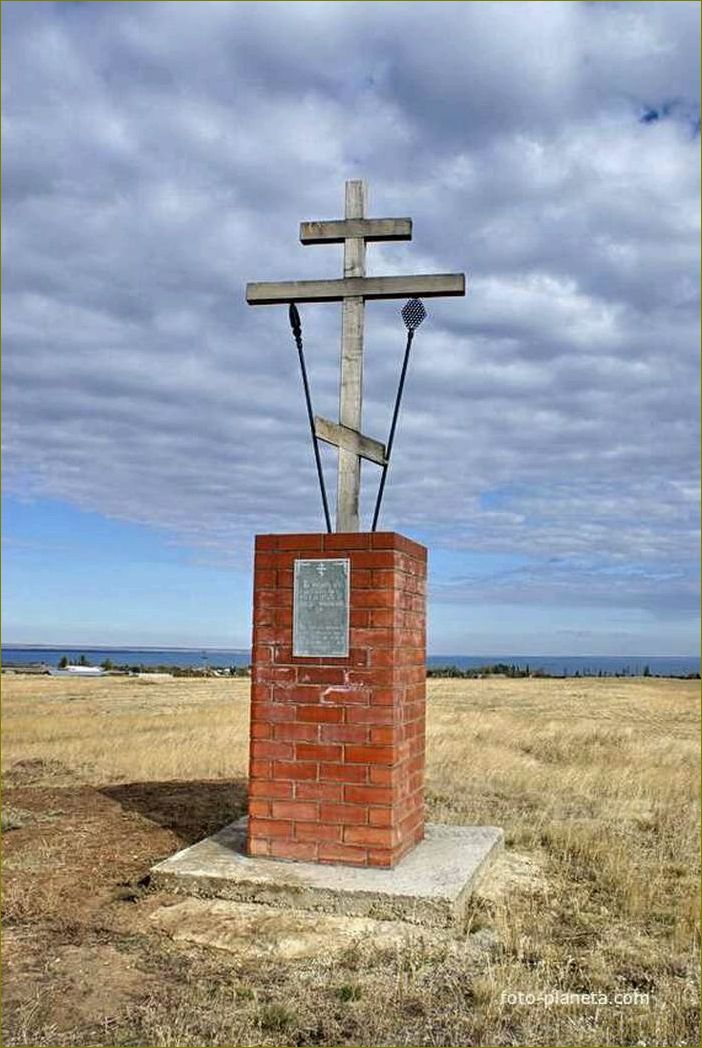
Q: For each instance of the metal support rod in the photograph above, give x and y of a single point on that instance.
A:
(391, 438)
(296, 326)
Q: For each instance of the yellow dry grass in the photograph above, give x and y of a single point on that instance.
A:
(596, 783)
(129, 729)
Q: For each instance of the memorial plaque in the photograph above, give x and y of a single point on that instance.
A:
(321, 608)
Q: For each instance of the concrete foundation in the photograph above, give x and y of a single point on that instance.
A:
(431, 885)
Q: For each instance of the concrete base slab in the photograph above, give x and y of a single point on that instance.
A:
(431, 885)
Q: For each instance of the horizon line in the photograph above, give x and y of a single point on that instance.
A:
(198, 647)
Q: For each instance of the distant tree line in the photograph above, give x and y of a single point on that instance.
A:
(64, 661)
(496, 669)
(503, 669)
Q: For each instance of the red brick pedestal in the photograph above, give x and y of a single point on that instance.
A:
(337, 744)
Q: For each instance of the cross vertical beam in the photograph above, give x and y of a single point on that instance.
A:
(351, 376)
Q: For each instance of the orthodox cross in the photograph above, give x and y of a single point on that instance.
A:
(354, 231)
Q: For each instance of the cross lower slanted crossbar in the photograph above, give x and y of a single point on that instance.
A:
(350, 440)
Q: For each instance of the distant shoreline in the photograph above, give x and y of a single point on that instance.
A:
(234, 660)
(110, 647)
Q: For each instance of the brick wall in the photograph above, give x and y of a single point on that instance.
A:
(337, 744)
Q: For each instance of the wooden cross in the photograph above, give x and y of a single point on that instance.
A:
(354, 231)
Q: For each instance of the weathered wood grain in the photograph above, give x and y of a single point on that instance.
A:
(348, 489)
(370, 229)
(350, 440)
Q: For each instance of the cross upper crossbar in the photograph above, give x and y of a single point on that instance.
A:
(354, 231)
(375, 229)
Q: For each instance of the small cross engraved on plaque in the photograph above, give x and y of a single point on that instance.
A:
(321, 608)
(354, 231)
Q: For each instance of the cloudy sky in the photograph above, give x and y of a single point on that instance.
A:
(157, 156)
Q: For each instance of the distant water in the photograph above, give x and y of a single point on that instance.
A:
(219, 658)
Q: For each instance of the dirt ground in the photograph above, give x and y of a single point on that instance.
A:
(76, 946)
(88, 958)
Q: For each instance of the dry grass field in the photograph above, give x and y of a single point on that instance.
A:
(596, 783)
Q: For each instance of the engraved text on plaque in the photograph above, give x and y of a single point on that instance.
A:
(321, 608)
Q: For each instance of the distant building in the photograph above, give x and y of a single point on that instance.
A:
(78, 671)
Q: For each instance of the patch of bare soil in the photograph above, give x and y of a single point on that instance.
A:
(87, 984)
(78, 952)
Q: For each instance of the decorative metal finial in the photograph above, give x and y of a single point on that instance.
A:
(413, 313)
